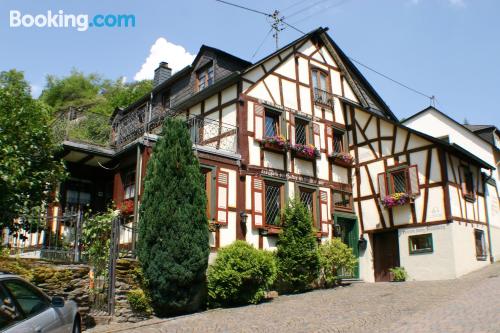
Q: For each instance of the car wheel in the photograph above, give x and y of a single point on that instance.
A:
(77, 327)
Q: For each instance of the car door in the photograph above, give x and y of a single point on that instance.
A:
(10, 314)
(35, 306)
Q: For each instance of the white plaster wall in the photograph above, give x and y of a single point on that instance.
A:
(229, 94)
(366, 269)
(303, 167)
(465, 248)
(437, 265)
(273, 160)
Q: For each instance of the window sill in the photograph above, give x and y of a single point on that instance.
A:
(304, 156)
(273, 147)
(343, 209)
(323, 104)
(469, 198)
(421, 252)
(338, 160)
(270, 230)
(481, 258)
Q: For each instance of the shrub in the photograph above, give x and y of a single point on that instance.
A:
(335, 257)
(399, 274)
(139, 301)
(297, 250)
(240, 275)
(173, 244)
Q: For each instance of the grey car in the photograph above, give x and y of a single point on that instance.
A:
(24, 309)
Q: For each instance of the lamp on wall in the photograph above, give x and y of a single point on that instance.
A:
(243, 221)
(362, 243)
(337, 230)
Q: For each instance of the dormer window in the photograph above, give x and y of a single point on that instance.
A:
(205, 77)
(321, 87)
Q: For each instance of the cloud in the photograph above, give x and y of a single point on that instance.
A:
(162, 50)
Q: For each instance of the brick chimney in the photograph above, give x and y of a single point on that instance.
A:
(162, 73)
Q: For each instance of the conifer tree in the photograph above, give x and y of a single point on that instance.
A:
(173, 231)
(297, 250)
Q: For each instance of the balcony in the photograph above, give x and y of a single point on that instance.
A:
(213, 134)
(82, 127)
(323, 97)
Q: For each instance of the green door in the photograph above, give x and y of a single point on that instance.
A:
(350, 235)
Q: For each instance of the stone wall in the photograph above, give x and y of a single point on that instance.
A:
(68, 281)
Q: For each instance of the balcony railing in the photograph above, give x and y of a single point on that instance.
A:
(84, 127)
(323, 97)
(213, 134)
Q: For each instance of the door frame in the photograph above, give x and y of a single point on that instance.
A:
(375, 247)
(355, 230)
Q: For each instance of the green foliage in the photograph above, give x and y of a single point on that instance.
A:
(139, 301)
(335, 257)
(96, 234)
(121, 95)
(28, 169)
(297, 250)
(240, 275)
(399, 273)
(173, 232)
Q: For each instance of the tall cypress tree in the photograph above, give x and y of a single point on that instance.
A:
(173, 243)
(297, 250)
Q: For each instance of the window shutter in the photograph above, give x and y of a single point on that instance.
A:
(323, 211)
(292, 129)
(382, 185)
(257, 201)
(259, 115)
(283, 126)
(316, 142)
(222, 196)
(329, 139)
(413, 180)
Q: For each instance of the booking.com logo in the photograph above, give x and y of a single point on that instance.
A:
(81, 22)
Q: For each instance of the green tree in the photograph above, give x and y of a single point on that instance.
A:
(173, 231)
(297, 250)
(121, 95)
(75, 90)
(28, 169)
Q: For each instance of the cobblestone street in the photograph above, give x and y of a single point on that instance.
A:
(468, 304)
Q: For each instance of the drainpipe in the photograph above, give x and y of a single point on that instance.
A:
(488, 177)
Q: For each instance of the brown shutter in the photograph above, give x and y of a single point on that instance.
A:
(323, 211)
(382, 185)
(292, 128)
(222, 196)
(259, 116)
(329, 139)
(258, 210)
(316, 138)
(413, 180)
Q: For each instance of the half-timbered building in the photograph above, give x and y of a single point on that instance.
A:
(304, 123)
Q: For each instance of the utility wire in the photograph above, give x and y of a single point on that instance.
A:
(294, 28)
(321, 11)
(393, 80)
(293, 5)
(305, 8)
(262, 43)
(246, 8)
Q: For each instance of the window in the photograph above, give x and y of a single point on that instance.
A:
(338, 142)
(308, 197)
(480, 244)
(301, 131)
(272, 124)
(208, 175)
(9, 314)
(342, 200)
(274, 197)
(319, 79)
(129, 184)
(398, 181)
(30, 300)
(420, 243)
(205, 77)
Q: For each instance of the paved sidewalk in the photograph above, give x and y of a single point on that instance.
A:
(470, 304)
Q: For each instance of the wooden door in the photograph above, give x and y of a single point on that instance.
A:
(385, 254)
(349, 235)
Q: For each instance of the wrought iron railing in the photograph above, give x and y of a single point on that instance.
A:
(212, 133)
(323, 97)
(85, 127)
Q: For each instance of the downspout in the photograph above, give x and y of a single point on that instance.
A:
(492, 260)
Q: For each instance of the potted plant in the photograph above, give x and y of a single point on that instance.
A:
(396, 199)
(398, 274)
(307, 152)
(126, 207)
(342, 158)
(276, 143)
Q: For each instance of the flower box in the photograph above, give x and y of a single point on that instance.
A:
(306, 152)
(396, 199)
(342, 159)
(276, 143)
(126, 207)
